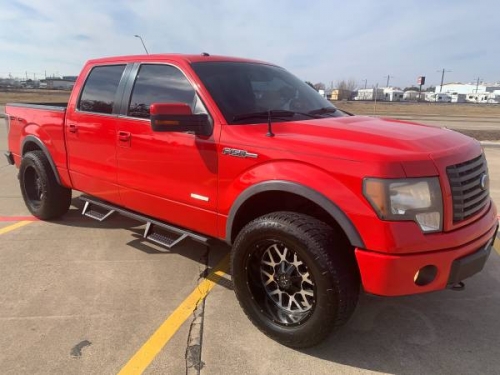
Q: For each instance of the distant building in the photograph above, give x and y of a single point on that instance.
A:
(370, 94)
(458, 98)
(438, 97)
(58, 84)
(340, 94)
(484, 97)
(392, 94)
(466, 88)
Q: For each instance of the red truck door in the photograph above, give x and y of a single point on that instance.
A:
(90, 131)
(172, 176)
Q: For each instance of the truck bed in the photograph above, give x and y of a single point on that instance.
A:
(44, 122)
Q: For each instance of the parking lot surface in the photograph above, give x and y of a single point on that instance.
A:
(82, 297)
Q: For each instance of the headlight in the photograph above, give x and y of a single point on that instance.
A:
(415, 199)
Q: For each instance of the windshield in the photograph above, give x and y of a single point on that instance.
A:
(244, 92)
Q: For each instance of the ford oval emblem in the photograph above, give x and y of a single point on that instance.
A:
(484, 181)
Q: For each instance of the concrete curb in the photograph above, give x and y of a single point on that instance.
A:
(490, 144)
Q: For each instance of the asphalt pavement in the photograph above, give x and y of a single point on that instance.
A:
(82, 297)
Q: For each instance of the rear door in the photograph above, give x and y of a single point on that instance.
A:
(90, 131)
(171, 176)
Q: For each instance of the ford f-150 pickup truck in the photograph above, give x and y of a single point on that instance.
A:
(315, 202)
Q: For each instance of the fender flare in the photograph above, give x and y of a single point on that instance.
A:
(39, 143)
(292, 187)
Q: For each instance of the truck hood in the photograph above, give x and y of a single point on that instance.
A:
(385, 147)
(369, 139)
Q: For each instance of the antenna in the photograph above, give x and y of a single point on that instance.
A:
(269, 129)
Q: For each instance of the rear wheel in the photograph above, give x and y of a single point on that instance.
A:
(294, 277)
(42, 194)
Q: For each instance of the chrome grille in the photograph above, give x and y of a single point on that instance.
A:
(468, 194)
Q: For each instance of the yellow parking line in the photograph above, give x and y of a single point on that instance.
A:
(12, 227)
(145, 355)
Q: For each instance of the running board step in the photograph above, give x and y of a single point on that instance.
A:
(168, 236)
(91, 212)
(169, 240)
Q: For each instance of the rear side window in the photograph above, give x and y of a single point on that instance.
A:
(99, 92)
(160, 84)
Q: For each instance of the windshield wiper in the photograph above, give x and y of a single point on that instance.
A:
(273, 113)
(321, 111)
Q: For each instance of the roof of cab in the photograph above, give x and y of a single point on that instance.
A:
(170, 57)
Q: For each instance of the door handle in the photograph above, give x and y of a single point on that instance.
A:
(72, 128)
(124, 136)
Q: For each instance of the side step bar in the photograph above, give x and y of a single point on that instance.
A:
(170, 236)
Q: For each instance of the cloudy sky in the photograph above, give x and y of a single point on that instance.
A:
(318, 40)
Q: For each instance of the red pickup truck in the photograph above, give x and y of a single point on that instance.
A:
(314, 201)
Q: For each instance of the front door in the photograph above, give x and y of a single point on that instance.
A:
(171, 176)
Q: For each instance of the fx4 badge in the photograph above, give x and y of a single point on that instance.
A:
(238, 153)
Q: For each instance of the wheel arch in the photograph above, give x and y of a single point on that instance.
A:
(32, 143)
(283, 189)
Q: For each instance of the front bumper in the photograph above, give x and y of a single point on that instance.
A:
(396, 275)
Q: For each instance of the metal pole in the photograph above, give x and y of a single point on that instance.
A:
(442, 77)
(145, 49)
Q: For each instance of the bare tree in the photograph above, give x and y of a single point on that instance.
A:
(344, 89)
(349, 85)
(319, 86)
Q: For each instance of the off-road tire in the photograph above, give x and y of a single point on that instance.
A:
(42, 194)
(326, 256)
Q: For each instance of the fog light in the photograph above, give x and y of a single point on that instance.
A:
(425, 275)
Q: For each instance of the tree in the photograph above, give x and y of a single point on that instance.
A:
(411, 88)
(431, 89)
(349, 85)
(319, 86)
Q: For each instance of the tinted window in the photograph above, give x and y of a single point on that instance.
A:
(246, 88)
(99, 92)
(160, 84)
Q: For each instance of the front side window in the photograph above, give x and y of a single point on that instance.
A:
(98, 94)
(161, 84)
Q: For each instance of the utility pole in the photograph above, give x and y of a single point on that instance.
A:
(477, 84)
(366, 81)
(442, 77)
(388, 79)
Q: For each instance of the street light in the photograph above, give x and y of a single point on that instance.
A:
(145, 49)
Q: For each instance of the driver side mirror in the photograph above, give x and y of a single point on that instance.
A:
(178, 117)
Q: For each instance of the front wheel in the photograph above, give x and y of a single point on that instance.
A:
(42, 194)
(295, 279)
